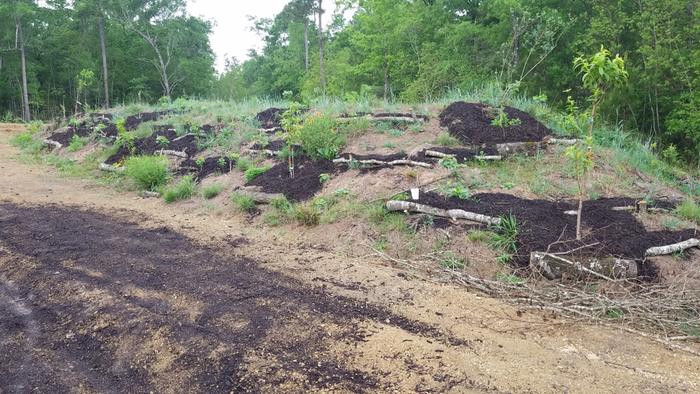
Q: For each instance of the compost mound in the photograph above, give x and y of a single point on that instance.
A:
(150, 144)
(543, 225)
(211, 165)
(305, 183)
(270, 118)
(471, 124)
(274, 145)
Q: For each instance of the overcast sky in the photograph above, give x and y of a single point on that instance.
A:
(232, 35)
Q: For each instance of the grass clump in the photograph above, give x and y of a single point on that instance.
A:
(505, 238)
(243, 164)
(76, 143)
(480, 236)
(451, 261)
(445, 139)
(307, 214)
(243, 203)
(27, 142)
(147, 172)
(690, 210)
(181, 191)
(254, 172)
(212, 191)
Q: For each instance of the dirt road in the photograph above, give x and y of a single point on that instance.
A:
(102, 291)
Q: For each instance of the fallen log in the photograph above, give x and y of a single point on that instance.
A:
(55, 144)
(671, 249)
(173, 153)
(147, 194)
(553, 266)
(453, 214)
(511, 148)
(404, 119)
(268, 152)
(629, 208)
(404, 162)
(260, 197)
(110, 168)
(271, 130)
(561, 141)
(441, 155)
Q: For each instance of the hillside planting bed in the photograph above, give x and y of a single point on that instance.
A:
(471, 124)
(545, 225)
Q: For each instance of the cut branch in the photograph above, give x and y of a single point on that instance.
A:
(55, 144)
(432, 153)
(671, 249)
(553, 266)
(404, 162)
(453, 214)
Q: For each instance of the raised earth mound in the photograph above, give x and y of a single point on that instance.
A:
(152, 144)
(472, 124)
(304, 185)
(544, 225)
(270, 118)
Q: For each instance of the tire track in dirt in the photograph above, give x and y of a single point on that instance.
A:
(133, 309)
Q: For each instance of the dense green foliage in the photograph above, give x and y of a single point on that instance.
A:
(147, 172)
(398, 50)
(418, 50)
(63, 53)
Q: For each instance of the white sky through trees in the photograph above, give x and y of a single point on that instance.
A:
(231, 33)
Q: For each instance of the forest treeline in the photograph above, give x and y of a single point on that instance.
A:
(399, 50)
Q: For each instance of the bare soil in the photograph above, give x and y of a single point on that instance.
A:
(102, 291)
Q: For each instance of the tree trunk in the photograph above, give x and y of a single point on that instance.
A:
(26, 114)
(454, 214)
(578, 217)
(386, 76)
(322, 72)
(103, 49)
(306, 43)
(671, 249)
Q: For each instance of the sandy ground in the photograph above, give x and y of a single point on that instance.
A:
(104, 291)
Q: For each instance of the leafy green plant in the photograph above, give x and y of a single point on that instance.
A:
(449, 163)
(181, 191)
(324, 178)
(162, 141)
(27, 142)
(147, 172)
(124, 138)
(318, 136)
(76, 143)
(502, 120)
(254, 172)
(243, 203)
(459, 191)
(211, 191)
(601, 72)
(199, 162)
(221, 162)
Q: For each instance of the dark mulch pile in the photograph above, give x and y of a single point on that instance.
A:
(283, 316)
(471, 124)
(210, 166)
(270, 118)
(149, 145)
(134, 121)
(274, 145)
(64, 137)
(542, 223)
(305, 183)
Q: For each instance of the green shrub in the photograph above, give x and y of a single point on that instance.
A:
(148, 172)
(319, 137)
(243, 164)
(212, 191)
(243, 203)
(690, 210)
(254, 172)
(76, 143)
(181, 191)
(27, 143)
